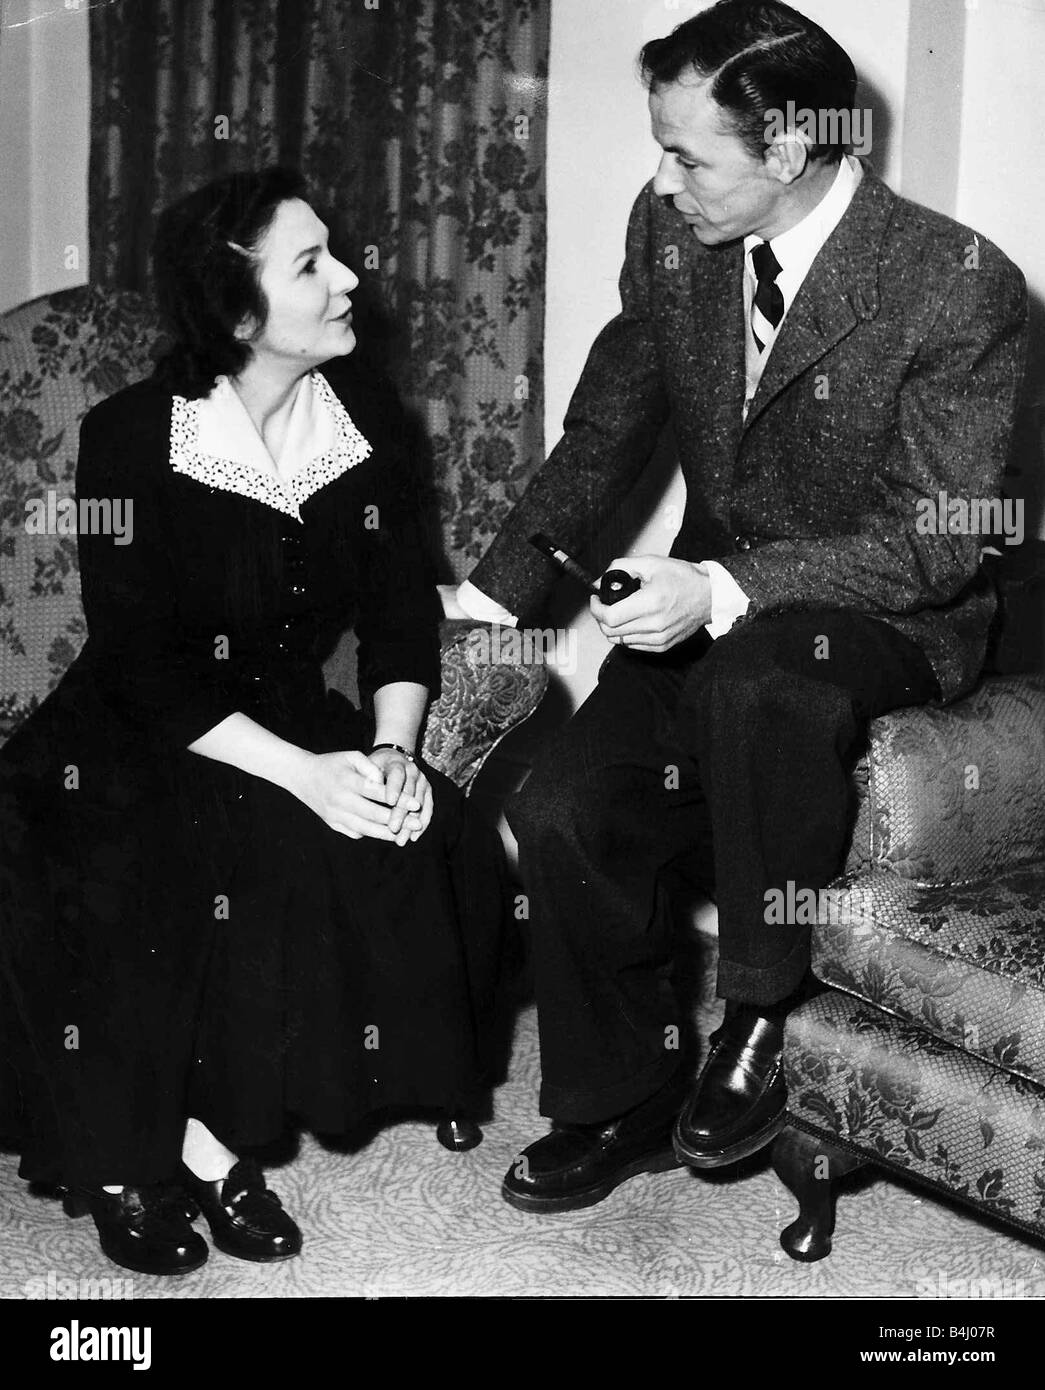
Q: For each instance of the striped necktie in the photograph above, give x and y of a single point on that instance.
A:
(768, 307)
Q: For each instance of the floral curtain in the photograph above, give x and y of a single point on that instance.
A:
(420, 127)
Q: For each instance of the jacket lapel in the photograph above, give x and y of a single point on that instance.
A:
(839, 292)
(717, 324)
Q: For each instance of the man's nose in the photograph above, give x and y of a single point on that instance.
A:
(667, 181)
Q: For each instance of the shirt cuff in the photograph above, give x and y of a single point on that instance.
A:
(482, 608)
(728, 600)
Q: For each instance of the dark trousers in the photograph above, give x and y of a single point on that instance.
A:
(734, 754)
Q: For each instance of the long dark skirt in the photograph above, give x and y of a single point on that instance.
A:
(187, 940)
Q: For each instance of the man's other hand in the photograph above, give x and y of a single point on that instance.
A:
(674, 601)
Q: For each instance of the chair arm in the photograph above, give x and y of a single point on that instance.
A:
(491, 683)
(957, 793)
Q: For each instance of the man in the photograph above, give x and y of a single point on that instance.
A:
(827, 354)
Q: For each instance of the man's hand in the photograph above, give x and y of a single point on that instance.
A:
(673, 603)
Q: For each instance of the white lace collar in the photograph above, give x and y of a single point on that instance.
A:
(214, 441)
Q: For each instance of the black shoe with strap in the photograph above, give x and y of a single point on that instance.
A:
(738, 1103)
(246, 1218)
(577, 1165)
(141, 1228)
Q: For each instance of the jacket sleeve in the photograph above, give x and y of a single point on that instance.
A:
(611, 428)
(144, 667)
(399, 608)
(956, 414)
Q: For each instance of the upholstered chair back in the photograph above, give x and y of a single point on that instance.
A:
(59, 355)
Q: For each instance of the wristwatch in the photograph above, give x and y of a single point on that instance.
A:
(396, 748)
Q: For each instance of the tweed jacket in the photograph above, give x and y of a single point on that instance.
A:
(894, 378)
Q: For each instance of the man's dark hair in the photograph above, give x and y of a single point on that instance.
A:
(760, 55)
(205, 275)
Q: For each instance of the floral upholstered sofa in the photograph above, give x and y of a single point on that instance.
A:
(926, 1057)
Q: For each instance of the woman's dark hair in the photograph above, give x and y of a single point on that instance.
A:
(205, 274)
(760, 55)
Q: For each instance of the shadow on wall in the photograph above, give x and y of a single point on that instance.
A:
(881, 129)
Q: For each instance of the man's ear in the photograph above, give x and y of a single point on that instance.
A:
(246, 329)
(787, 157)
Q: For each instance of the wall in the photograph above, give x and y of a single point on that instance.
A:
(1001, 180)
(1001, 184)
(44, 128)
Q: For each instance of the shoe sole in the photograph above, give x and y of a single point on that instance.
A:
(257, 1259)
(156, 1273)
(591, 1196)
(722, 1158)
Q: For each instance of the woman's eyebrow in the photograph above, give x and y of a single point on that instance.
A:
(313, 250)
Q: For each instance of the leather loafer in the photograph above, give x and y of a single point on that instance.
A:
(246, 1218)
(738, 1103)
(142, 1228)
(577, 1165)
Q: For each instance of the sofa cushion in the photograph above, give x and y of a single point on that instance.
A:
(957, 793)
(886, 830)
(888, 1089)
(966, 963)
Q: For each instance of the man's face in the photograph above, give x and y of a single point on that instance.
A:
(721, 189)
(309, 313)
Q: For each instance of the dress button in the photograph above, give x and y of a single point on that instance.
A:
(742, 542)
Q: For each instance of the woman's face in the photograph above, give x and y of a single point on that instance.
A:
(309, 311)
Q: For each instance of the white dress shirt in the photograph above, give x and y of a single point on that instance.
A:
(795, 250)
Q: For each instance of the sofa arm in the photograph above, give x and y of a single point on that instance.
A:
(958, 793)
(489, 687)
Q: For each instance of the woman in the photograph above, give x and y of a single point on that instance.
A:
(230, 895)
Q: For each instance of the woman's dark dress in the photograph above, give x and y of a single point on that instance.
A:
(180, 938)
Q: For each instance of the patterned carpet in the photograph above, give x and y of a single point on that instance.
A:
(402, 1216)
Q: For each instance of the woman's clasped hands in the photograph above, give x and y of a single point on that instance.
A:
(379, 796)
